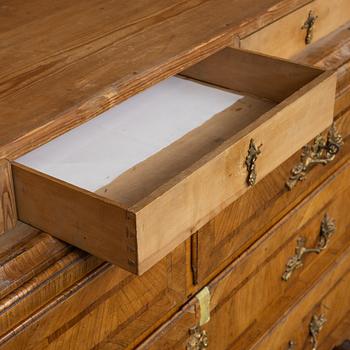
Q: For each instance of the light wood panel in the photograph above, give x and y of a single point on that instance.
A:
(88, 220)
(333, 52)
(286, 37)
(257, 75)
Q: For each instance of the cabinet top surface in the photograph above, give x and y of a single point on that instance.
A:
(64, 62)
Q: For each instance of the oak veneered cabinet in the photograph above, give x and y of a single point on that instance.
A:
(174, 175)
(137, 218)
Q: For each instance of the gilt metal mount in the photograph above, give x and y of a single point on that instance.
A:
(291, 345)
(322, 151)
(315, 326)
(309, 25)
(198, 339)
(326, 231)
(250, 162)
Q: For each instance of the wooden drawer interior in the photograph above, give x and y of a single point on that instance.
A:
(130, 200)
(287, 36)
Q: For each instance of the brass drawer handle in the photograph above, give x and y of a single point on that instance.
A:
(322, 151)
(309, 25)
(326, 230)
(198, 339)
(315, 326)
(252, 156)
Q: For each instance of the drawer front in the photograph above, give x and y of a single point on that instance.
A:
(232, 231)
(247, 299)
(108, 308)
(288, 35)
(309, 323)
(170, 195)
(332, 52)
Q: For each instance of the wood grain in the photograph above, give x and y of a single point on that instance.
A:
(79, 217)
(137, 235)
(54, 88)
(340, 332)
(60, 276)
(333, 52)
(252, 74)
(236, 227)
(108, 308)
(285, 37)
(199, 188)
(240, 317)
(8, 214)
(330, 297)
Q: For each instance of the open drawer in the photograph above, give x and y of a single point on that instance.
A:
(135, 182)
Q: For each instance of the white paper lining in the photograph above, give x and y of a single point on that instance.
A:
(93, 154)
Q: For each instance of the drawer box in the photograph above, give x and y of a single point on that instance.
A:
(286, 37)
(243, 305)
(136, 217)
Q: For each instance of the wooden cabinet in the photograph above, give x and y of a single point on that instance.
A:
(203, 175)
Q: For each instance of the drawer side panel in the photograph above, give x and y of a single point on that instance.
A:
(75, 216)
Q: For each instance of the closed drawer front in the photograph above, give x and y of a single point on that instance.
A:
(134, 216)
(290, 34)
(106, 309)
(250, 296)
(319, 313)
(332, 52)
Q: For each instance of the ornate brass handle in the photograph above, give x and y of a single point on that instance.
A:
(198, 339)
(322, 151)
(309, 25)
(326, 230)
(253, 152)
(315, 327)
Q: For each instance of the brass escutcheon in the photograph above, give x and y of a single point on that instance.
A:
(291, 345)
(322, 151)
(326, 230)
(198, 339)
(250, 161)
(315, 327)
(309, 25)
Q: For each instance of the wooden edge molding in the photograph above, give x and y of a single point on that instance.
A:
(8, 213)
